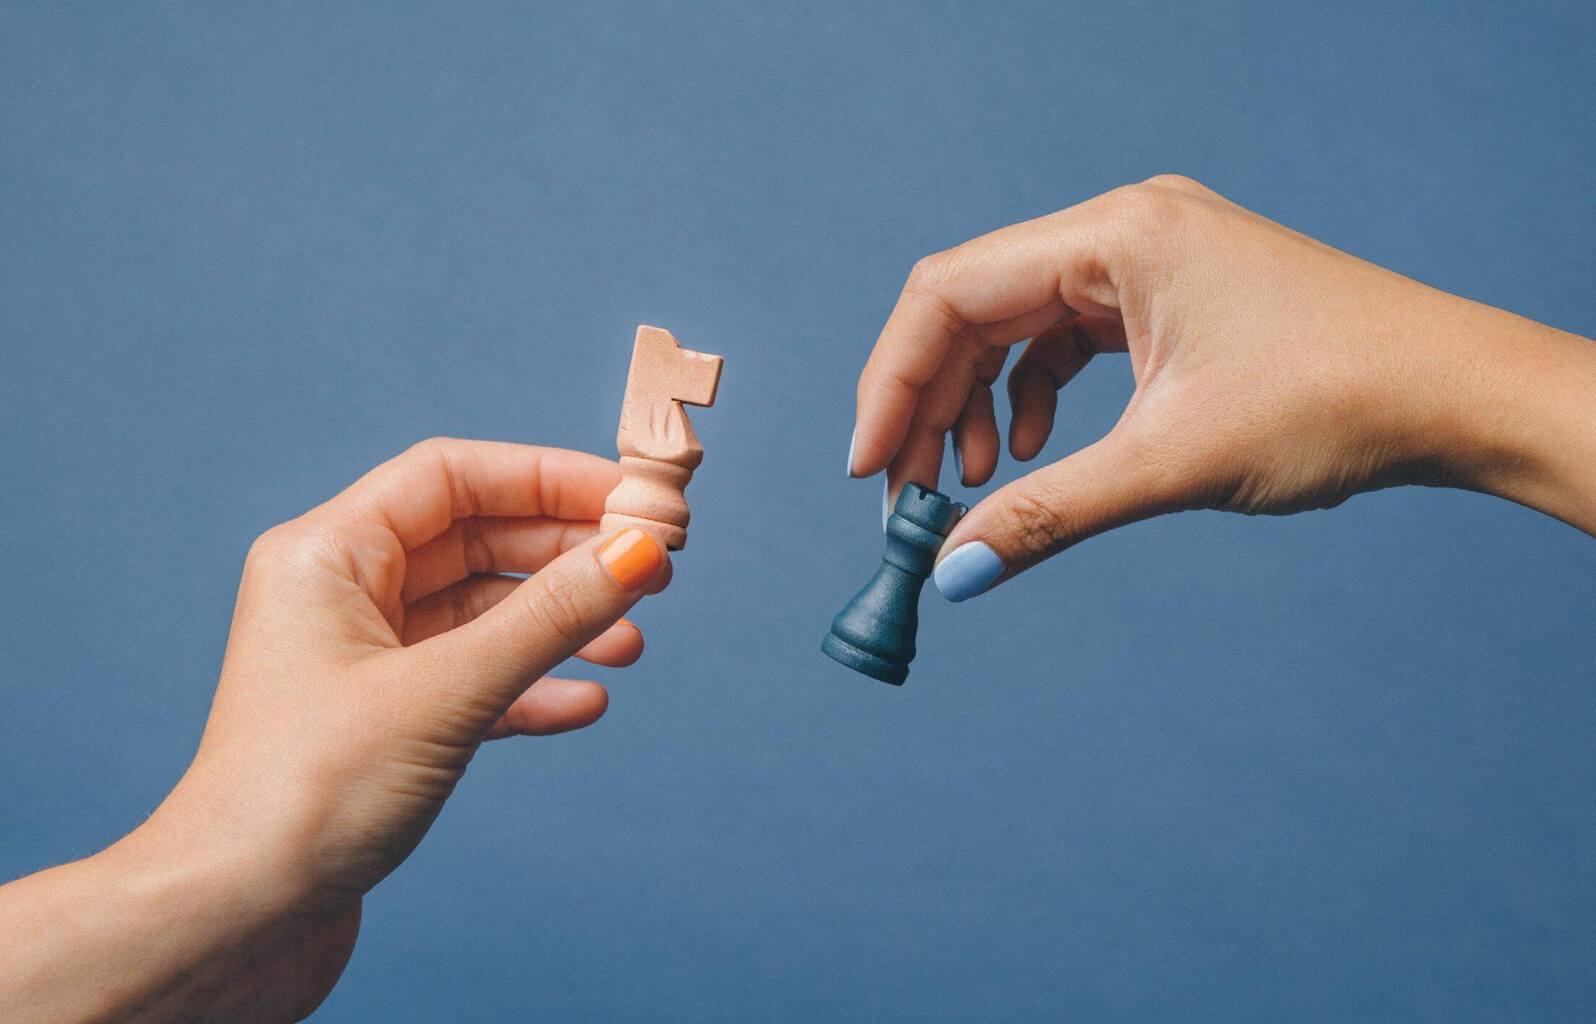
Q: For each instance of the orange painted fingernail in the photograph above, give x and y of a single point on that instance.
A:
(631, 557)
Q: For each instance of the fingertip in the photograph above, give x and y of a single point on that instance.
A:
(881, 425)
(630, 635)
(580, 703)
(1025, 441)
(968, 570)
(1031, 422)
(662, 576)
(617, 647)
(633, 558)
(919, 461)
(595, 701)
(982, 462)
(975, 440)
(553, 706)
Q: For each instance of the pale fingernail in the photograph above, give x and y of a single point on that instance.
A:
(969, 570)
(851, 439)
(886, 510)
(631, 558)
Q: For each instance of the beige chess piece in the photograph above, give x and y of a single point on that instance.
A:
(659, 450)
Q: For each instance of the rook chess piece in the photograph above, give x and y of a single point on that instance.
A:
(659, 450)
(874, 632)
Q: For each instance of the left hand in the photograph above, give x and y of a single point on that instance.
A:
(375, 645)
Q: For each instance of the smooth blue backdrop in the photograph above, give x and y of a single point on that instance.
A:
(1339, 766)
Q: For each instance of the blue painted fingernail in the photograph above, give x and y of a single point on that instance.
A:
(958, 464)
(851, 439)
(886, 510)
(970, 570)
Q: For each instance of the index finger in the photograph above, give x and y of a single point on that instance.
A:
(417, 495)
(994, 290)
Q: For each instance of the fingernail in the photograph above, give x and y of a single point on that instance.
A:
(851, 439)
(971, 569)
(886, 510)
(958, 464)
(631, 557)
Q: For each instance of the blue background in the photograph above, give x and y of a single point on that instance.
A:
(1337, 766)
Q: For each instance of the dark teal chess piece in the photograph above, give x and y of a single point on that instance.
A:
(874, 633)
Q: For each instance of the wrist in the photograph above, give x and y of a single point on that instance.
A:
(225, 892)
(140, 931)
(245, 852)
(1518, 413)
(215, 930)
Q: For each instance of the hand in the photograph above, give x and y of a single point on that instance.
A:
(374, 647)
(1273, 374)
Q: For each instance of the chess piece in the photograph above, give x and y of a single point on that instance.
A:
(874, 632)
(659, 450)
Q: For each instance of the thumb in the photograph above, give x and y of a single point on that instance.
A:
(556, 612)
(1100, 487)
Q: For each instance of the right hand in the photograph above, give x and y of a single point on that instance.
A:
(1273, 374)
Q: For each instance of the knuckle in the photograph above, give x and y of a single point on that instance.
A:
(442, 455)
(929, 272)
(1177, 183)
(1038, 524)
(438, 450)
(276, 545)
(476, 551)
(433, 446)
(1152, 210)
(558, 610)
(289, 550)
(483, 598)
(460, 606)
(1144, 207)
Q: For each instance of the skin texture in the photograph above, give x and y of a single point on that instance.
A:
(1273, 374)
(374, 647)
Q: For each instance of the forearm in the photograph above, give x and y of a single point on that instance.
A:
(138, 932)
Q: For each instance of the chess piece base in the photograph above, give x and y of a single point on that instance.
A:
(863, 661)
